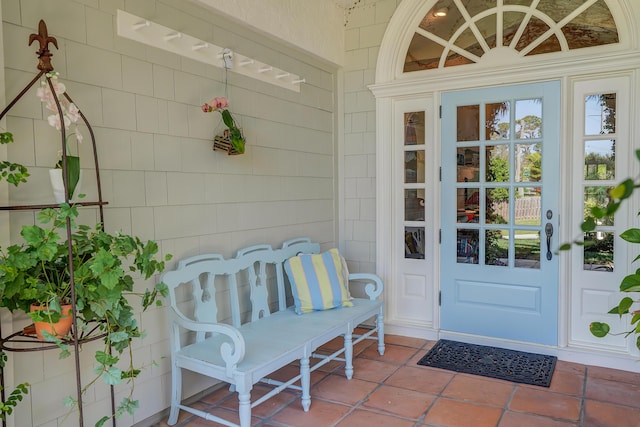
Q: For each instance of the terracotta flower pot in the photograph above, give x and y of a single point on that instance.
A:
(58, 329)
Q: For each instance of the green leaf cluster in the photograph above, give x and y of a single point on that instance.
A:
(105, 268)
(631, 283)
(13, 173)
(235, 134)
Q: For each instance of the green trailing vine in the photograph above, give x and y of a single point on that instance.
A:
(630, 283)
(21, 390)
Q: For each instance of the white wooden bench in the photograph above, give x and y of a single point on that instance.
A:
(256, 340)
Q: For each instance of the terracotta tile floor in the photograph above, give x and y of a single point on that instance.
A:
(393, 390)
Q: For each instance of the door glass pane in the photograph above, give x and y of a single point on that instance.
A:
(467, 246)
(600, 114)
(414, 242)
(497, 206)
(468, 204)
(468, 123)
(527, 206)
(597, 196)
(527, 248)
(528, 118)
(598, 251)
(528, 167)
(599, 159)
(497, 121)
(414, 205)
(414, 128)
(497, 161)
(496, 247)
(468, 161)
(414, 167)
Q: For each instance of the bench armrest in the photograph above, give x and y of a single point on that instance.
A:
(374, 286)
(232, 352)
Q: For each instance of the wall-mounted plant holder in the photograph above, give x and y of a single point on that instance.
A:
(223, 143)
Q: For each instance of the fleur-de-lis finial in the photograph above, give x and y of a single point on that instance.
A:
(43, 53)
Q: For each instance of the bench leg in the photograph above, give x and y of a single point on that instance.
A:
(305, 382)
(244, 408)
(176, 394)
(348, 354)
(380, 324)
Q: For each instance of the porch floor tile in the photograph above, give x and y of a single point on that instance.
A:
(392, 390)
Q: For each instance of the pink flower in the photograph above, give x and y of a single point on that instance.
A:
(219, 102)
(206, 108)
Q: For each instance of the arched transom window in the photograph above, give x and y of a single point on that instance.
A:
(458, 32)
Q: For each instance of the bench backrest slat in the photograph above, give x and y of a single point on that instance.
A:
(210, 277)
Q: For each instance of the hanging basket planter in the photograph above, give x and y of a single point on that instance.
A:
(223, 143)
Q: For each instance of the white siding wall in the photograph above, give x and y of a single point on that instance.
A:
(366, 24)
(159, 174)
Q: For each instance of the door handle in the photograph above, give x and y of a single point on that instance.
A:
(548, 229)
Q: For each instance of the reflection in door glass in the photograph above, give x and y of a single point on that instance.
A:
(528, 118)
(497, 121)
(414, 167)
(599, 159)
(414, 128)
(497, 157)
(414, 242)
(528, 163)
(496, 247)
(600, 114)
(597, 197)
(497, 206)
(468, 161)
(527, 248)
(468, 204)
(467, 246)
(468, 120)
(598, 251)
(528, 206)
(414, 205)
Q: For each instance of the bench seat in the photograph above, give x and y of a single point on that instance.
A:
(243, 354)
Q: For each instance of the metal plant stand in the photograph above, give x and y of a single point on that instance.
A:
(24, 341)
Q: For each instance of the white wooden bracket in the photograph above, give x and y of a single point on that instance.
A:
(156, 35)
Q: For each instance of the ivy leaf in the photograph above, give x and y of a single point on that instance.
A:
(119, 336)
(105, 359)
(589, 224)
(599, 329)
(112, 376)
(623, 307)
(630, 283)
(631, 235)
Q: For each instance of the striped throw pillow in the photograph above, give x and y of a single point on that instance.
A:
(317, 281)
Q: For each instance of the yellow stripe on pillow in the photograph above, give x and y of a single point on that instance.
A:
(317, 281)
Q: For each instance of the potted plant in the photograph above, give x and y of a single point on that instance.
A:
(232, 141)
(37, 271)
(67, 115)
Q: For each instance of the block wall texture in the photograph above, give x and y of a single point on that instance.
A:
(159, 175)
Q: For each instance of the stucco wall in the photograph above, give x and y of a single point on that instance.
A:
(159, 174)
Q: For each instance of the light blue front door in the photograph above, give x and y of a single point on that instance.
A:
(500, 190)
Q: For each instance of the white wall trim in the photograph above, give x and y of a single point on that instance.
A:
(392, 85)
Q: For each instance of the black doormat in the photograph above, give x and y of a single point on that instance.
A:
(492, 362)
